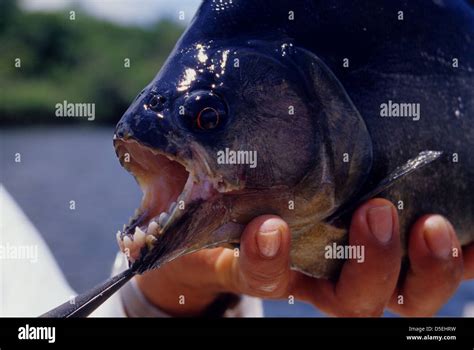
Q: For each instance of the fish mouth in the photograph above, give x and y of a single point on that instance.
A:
(170, 186)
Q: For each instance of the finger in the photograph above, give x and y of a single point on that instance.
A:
(364, 288)
(262, 267)
(191, 276)
(436, 268)
(468, 258)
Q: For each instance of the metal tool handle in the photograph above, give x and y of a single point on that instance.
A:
(84, 304)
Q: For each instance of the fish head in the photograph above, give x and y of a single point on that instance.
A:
(213, 141)
(225, 132)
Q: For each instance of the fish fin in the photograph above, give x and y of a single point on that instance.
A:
(423, 158)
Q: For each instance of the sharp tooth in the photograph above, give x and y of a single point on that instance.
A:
(163, 219)
(150, 241)
(152, 228)
(124, 227)
(119, 240)
(128, 243)
(172, 207)
(139, 236)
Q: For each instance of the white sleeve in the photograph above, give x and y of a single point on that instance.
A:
(31, 281)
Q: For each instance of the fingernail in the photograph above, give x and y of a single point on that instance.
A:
(269, 239)
(380, 223)
(437, 236)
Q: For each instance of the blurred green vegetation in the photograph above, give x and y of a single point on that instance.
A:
(80, 61)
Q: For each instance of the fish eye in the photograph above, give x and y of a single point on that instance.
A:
(208, 118)
(205, 111)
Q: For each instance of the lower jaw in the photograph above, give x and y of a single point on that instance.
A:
(162, 176)
(146, 231)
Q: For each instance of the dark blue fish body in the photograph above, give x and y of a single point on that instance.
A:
(332, 96)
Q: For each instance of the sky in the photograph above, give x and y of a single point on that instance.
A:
(124, 12)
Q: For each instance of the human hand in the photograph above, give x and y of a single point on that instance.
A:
(367, 289)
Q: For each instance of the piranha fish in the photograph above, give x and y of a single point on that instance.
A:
(337, 101)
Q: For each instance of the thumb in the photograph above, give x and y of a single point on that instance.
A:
(262, 267)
